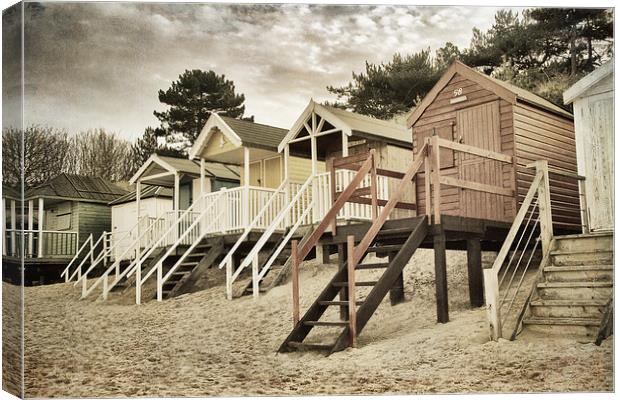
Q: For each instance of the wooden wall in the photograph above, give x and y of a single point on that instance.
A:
(541, 135)
(442, 116)
(93, 218)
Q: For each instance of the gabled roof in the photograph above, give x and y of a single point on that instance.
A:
(77, 187)
(9, 192)
(504, 90)
(588, 81)
(240, 133)
(145, 193)
(186, 166)
(351, 124)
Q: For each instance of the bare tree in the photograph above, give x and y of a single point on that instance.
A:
(45, 151)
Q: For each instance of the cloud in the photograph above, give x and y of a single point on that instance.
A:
(101, 64)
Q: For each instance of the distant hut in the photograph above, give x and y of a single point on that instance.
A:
(593, 104)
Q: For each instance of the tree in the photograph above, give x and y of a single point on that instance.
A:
(44, 155)
(142, 149)
(191, 100)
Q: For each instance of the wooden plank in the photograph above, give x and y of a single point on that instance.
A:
(373, 187)
(435, 176)
(367, 201)
(344, 296)
(480, 187)
(351, 288)
(397, 292)
(355, 158)
(359, 192)
(474, 272)
(493, 155)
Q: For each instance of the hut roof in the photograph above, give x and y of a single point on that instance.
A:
(145, 193)
(505, 90)
(588, 81)
(77, 187)
(188, 167)
(9, 192)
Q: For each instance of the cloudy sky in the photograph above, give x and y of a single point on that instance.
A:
(94, 65)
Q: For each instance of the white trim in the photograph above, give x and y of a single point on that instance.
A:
(214, 121)
(313, 109)
(588, 81)
(154, 158)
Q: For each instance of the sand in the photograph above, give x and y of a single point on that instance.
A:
(203, 345)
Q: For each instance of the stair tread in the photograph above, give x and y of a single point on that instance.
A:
(310, 346)
(185, 264)
(373, 265)
(394, 231)
(561, 268)
(575, 284)
(569, 252)
(326, 323)
(338, 303)
(561, 321)
(359, 283)
(576, 302)
(384, 248)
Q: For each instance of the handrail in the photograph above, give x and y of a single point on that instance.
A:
(162, 280)
(65, 272)
(253, 224)
(91, 254)
(141, 258)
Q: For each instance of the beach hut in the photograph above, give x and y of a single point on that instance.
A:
(11, 214)
(470, 108)
(592, 98)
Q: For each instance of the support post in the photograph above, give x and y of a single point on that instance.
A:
(287, 187)
(427, 185)
(246, 183)
(4, 242)
(436, 184)
(397, 292)
(138, 252)
(319, 257)
(544, 206)
(344, 293)
(41, 226)
(14, 228)
(295, 278)
(441, 279)
(203, 179)
(325, 259)
(345, 144)
(474, 272)
(332, 189)
(229, 273)
(313, 149)
(491, 295)
(373, 185)
(30, 226)
(351, 287)
(255, 286)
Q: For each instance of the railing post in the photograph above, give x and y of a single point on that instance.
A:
(435, 178)
(351, 289)
(159, 282)
(105, 287)
(84, 287)
(41, 223)
(491, 295)
(373, 185)
(229, 273)
(332, 190)
(255, 287)
(544, 205)
(427, 182)
(295, 279)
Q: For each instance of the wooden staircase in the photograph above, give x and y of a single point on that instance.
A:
(387, 242)
(573, 290)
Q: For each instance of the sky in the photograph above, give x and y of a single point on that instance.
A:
(100, 65)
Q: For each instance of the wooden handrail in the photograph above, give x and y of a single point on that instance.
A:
(477, 151)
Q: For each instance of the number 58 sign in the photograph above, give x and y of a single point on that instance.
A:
(458, 92)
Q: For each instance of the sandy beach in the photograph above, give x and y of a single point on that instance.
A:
(204, 345)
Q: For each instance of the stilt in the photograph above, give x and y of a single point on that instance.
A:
(344, 293)
(441, 278)
(326, 249)
(397, 292)
(474, 272)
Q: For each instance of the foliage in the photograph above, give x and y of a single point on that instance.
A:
(191, 99)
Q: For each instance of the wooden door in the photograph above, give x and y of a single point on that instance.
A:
(256, 174)
(273, 172)
(479, 126)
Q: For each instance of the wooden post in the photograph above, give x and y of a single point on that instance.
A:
(332, 189)
(4, 241)
(30, 226)
(229, 273)
(345, 144)
(544, 206)
(441, 279)
(373, 185)
(295, 278)
(138, 252)
(14, 228)
(491, 295)
(397, 292)
(344, 294)
(474, 272)
(41, 226)
(246, 189)
(427, 183)
(313, 149)
(287, 188)
(203, 179)
(326, 249)
(436, 184)
(255, 286)
(351, 287)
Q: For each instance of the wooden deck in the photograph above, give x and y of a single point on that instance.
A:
(42, 270)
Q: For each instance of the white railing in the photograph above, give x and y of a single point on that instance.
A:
(208, 217)
(92, 256)
(53, 244)
(66, 272)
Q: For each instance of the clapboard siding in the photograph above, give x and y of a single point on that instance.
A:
(93, 218)
(440, 114)
(540, 135)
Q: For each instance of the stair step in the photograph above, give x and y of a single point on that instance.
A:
(186, 264)
(310, 346)
(569, 252)
(569, 303)
(177, 273)
(372, 265)
(395, 231)
(326, 323)
(338, 303)
(562, 321)
(361, 283)
(578, 268)
(197, 254)
(544, 285)
(390, 248)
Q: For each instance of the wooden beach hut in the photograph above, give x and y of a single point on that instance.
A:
(592, 98)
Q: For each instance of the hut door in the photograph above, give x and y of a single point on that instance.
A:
(479, 127)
